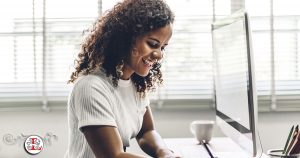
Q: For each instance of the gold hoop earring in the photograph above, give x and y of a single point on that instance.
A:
(119, 68)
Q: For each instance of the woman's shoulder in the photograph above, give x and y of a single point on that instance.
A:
(94, 80)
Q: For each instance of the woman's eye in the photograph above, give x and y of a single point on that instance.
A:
(153, 44)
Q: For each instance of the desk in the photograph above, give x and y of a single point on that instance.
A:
(221, 145)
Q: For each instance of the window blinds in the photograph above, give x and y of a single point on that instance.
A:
(37, 56)
(275, 44)
(38, 53)
(187, 66)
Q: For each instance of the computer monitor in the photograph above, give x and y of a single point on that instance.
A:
(235, 92)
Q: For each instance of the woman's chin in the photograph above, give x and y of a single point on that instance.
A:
(143, 74)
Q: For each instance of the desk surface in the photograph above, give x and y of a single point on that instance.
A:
(221, 145)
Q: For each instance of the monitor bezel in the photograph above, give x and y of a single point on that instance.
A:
(251, 89)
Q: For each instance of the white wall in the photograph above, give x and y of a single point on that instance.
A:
(28, 123)
(273, 128)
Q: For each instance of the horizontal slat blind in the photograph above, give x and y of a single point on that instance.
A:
(286, 17)
(21, 51)
(286, 43)
(21, 40)
(187, 66)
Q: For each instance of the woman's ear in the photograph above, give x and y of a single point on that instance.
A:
(134, 52)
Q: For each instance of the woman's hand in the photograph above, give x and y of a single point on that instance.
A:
(151, 142)
(166, 153)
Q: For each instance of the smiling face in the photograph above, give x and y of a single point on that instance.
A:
(147, 50)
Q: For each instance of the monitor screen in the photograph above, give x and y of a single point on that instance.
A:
(236, 111)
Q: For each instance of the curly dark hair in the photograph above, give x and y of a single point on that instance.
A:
(111, 39)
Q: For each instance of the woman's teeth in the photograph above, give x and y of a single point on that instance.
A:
(148, 62)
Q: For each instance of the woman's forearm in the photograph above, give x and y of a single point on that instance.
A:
(152, 143)
(129, 155)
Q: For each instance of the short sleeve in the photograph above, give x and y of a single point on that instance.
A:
(146, 100)
(92, 104)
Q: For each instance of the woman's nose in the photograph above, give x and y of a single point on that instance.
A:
(157, 55)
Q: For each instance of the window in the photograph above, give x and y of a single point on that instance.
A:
(40, 41)
(275, 26)
(38, 44)
(187, 68)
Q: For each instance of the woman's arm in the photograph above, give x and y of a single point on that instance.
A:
(150, 141)
(106, 142)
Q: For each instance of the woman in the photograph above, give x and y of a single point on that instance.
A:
(117, 67)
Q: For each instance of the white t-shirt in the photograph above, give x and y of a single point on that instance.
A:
(95, 101)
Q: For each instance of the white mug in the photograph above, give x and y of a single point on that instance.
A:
(202, 130)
